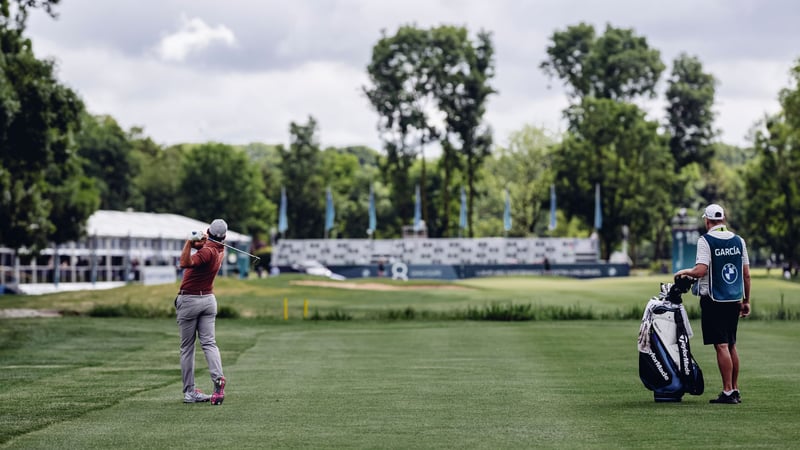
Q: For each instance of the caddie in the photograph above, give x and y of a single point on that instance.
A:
(723, 269)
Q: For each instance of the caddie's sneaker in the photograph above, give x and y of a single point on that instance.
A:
(737, 396)
(219, 392)
(196, 396)
(727, 399)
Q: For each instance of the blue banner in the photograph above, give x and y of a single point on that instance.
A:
(598, 213)
(401, 271)
(373, 220)
(282, 221)
(330, 212)
(417, 209)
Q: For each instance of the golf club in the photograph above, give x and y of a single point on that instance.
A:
(234, 248)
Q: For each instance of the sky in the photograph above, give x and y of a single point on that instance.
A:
(241, 71)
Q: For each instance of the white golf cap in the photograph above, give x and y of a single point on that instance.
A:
(714, 212)
(218, 228)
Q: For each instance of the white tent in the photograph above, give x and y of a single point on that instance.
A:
(106, 223)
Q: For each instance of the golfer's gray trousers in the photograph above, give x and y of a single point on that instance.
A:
(196, 317)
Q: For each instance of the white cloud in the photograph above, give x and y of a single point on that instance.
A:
(194, 35)
(302, 58)
(176, 103)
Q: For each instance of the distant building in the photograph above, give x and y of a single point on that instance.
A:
(118, 247)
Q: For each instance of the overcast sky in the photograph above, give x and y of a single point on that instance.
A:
(239, 71)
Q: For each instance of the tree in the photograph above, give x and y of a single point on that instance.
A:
(611, 144)
(402, 73)
(350, 180)
(218, 181)
(73, 197)
(690, 98)
(773, 181)
(108, 157)
(159, 180)
(463, 94)
(525, 168)
(617, 65)
(301, 169)
(41, 188)
(420, 77)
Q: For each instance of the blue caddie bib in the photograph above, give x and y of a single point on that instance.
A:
(725, 272)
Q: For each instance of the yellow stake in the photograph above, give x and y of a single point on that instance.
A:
(305, 309)
(285, 309)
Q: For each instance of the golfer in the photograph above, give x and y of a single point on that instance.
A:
(196, 308)
(723, 269)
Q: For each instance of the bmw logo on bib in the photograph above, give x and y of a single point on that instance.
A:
(729, 273)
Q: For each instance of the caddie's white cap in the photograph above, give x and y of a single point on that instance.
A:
(218, 228)
(714, 212)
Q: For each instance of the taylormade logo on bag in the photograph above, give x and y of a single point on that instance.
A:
(730, 251)
(658, 365)
(684, 355)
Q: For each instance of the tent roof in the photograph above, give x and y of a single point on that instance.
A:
(106, 223)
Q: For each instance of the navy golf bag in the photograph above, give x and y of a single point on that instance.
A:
(666, 365)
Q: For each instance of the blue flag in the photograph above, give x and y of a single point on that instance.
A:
(598, 213)
(462, 216)
(330, 213)
(283, 224)
(373, 220)
(552, 225)
(507, 213)
(417, 210)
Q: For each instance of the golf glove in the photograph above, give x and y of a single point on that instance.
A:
(196, 236)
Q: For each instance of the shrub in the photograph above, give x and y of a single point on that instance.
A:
(227, 312)
(336, 314)
(129, 310)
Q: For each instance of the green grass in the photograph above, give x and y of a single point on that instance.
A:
(114, 383)
(263, 298)
(408, 380)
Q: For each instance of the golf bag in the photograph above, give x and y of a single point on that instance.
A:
(666, 365)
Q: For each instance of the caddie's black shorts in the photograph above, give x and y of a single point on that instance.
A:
(719, 321)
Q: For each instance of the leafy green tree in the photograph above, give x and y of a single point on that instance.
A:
(267, 159)
(617, 65)
(107, 153)
(159, 180)
(419, 77)
(463, 92)
(41, 187)
(301, 168)
(612, 144)
(350, 174)
(73, 197)
(402, 71)
(219, 182)
(525, 168)
(690, 118)
(773, 180)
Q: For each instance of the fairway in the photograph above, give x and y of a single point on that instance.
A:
(115, 383)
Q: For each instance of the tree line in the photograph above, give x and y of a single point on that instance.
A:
(430, 88)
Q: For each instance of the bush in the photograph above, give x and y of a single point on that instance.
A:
(227, 312)
(333, 315)
(129, 310)
(142, 312)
